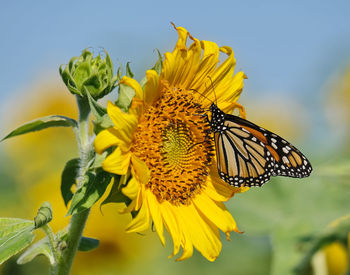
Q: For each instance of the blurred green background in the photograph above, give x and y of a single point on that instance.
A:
(297, 58)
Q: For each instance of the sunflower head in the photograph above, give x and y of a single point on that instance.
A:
(165, 141)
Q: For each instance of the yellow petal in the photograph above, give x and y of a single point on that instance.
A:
(140, 170)
(129, 208)
(187, 247)
(181, 41)
(177, 65)
(217, 214)
(117, 162)
(207, 66)
(168, 67)
(205, 238)
(218, 191)
(231, 90)
(140, 196)
(151, 86)
(123, 122)
(141, 221)
(171, 224)
(131, 189)
(229, 107)
(133, 84)
(192, 64)
(222, 75)
(106, 139)
(154, 209)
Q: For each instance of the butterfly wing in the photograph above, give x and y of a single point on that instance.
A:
(248, 154)
(288, 160)
(241, 157)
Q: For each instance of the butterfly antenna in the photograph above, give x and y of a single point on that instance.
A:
(201, 95)
(212, 85)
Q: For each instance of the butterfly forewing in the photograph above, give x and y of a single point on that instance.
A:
(248, 154)
(288, 160)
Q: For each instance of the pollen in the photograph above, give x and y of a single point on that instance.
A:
(173, 139)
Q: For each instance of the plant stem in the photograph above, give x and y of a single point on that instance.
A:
(77, 222)
(52, 242)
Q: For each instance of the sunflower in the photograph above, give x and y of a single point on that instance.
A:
(165, 141)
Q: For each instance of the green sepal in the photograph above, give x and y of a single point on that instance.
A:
(97, 109)
(42, 123)
(15, 235)
(125, 96)
(93, 188)
(41, 247)
(68, 179)
(116, 195)
(87, 244)
(103, 121)
(129, 73)
(99, 158)
(159, 64)
(44, 215)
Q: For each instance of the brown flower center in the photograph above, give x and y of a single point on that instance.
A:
(172, 139)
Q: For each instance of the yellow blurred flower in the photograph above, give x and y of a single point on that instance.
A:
(164, 139)
(331, 260)
(337, 104)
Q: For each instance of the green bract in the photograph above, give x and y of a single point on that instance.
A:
(88, 74)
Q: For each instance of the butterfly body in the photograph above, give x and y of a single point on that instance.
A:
(248, 154)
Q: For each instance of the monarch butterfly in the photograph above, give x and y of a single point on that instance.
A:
(248, 154)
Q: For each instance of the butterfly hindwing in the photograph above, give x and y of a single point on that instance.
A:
(241, 157)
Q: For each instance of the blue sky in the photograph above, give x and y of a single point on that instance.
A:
(286, 47)
(281, 45)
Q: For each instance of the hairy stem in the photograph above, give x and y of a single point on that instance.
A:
(53, 246)
(77, 222)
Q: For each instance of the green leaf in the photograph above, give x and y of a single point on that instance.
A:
(15, 235)
(93, 189)
(42, 247)
(42, 123)
(126, 94)
(116, 194)
(68, 179)
(87, 244)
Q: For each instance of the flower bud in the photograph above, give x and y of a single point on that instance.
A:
(44, 215)
(88, 74)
